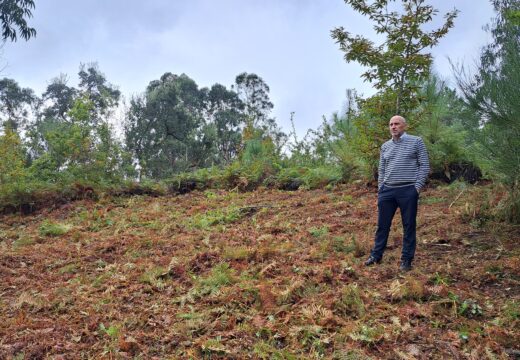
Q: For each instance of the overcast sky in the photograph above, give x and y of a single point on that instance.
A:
(286, 42)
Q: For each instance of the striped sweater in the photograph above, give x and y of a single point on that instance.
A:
(403, 162)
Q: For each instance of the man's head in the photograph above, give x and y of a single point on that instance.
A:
(397, 125)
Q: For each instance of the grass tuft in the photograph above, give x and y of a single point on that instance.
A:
(350, 304)
(50, 228)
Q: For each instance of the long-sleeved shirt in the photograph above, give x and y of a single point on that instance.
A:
(403, 162)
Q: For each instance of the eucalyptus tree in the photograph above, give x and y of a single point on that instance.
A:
(58, 98)
(15, 103)
(161, 127)
(225, 117)
(254, 93)
(72, 131)
(104, 96)
(13, 19)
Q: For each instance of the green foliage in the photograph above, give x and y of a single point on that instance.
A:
(312, 339)
(438, 120)
(69, 269)
(50, 228)
(318, 232)
(371, 129)
(396, 67)
(237, 253)
(220, 275)
(438, 279)
(492, 95)
(175, 126)
(258, 162)
(223, 119)
(12, 164)
(71, 144)
(290, 178)
(103, 95)
(69, 151)
(200, 179)
(264, 350)
(79, 150)
(217, 216)
(321, 176)
(112, 331)
(339, 245)
(15, 103)
(400, 61)
(470, 308)
(350, 303)
(331, 144)
(13, 18)
(254, 93)
(143, 187)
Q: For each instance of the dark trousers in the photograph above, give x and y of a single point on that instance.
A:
(388, 200)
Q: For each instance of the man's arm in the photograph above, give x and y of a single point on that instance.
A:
(381, 170)
(424, 165)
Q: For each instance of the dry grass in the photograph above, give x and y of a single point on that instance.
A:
(263, 275)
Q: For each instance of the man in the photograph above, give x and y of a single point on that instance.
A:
(403, 169)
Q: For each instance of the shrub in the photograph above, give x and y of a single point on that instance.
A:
(290, 178)
(321, 176)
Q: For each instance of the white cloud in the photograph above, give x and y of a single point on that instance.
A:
(287, 43)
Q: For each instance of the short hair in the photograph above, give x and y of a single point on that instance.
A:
(400, 118)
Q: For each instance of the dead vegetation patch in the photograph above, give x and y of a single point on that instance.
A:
(262, 275)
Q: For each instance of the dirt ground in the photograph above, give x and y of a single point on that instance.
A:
(260, 275)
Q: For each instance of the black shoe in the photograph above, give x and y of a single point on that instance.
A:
(406, 265)
(371, 261)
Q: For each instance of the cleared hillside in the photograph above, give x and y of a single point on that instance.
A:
(266, 274)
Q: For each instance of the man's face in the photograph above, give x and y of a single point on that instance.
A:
(397, 126)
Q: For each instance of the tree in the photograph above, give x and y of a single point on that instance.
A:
(371, 128)
(78, 149)
(254, 93)
(71, 138)
(14, 103)
(439, 117)
(399, 63)
(13, 14)
(493, 93)
(104, 96)
(57, 102)
(58, 98)
(52, 113)
(225, 115)
(161, 128)
(11, 158)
